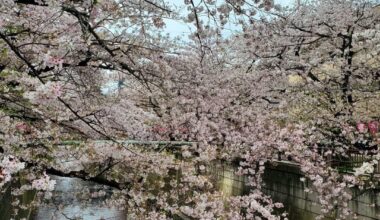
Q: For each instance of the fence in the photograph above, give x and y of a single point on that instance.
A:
(353, 159)
(348, 163)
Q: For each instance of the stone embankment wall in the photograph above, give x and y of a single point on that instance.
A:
(283, 183)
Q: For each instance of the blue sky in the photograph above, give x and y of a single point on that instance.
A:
(179, 29)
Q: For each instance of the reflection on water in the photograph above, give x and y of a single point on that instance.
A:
(281, 182)
(89, 212)
(68, 203)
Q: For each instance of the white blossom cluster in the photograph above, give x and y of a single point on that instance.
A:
(44, 183)
(366, 168)
(45, 92)
(9, 165)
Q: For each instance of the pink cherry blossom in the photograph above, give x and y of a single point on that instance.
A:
(232, 96)
(373, 127)
(22, 127)
(361, 127)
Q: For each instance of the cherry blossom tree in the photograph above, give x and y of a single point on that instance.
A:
(327, 51)
(302, 82)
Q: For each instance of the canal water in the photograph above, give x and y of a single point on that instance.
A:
(68, 202)
(282, 182)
